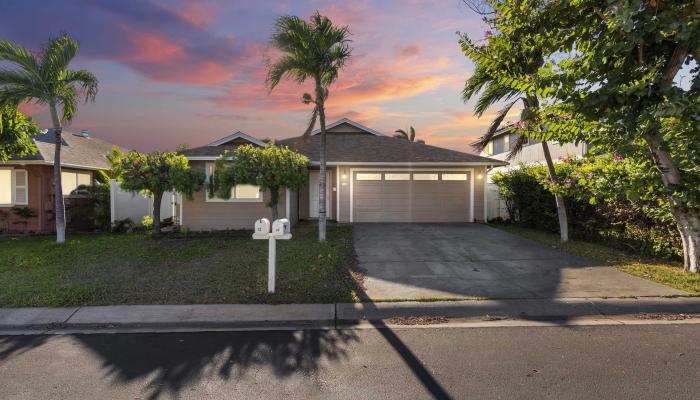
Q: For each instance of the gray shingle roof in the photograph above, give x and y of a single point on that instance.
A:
(354, 147)
(76, 151)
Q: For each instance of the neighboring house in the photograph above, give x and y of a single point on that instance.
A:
(371, 178)
(531, 153)
(28, 181)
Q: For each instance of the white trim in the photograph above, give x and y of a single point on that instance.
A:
(485, 189)
(207, 158)
(238, 135)
(112, 199)
(471, 195)
(471, 184)
(412, 164)
(181, 200)
(349, 122)
(287, 201)
(337, 194)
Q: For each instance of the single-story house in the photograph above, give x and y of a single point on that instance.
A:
(371, 177)
(28, 181)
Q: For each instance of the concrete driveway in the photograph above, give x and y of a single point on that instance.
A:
(420, 261)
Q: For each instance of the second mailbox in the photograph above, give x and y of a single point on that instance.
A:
(281, 227)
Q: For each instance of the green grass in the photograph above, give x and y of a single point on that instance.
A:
(136, 269)
(665, 272)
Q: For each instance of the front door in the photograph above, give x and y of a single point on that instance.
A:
(314, 186)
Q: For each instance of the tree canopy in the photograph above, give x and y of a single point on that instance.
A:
(16, 131)
(154, 174)
(622, 76)
(272, 168)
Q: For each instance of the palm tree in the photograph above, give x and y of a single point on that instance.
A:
(402, 134)
(315, 50)
(489, 92)
(44, 78)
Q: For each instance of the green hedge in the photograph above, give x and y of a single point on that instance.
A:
(600, 204)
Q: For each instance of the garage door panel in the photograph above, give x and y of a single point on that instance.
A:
(410, 200)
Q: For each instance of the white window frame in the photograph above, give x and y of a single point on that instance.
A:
(368, 176)
(14, 185)
(454, 177)
(233, 198)
(75, 176)
(426, 176)
(506, 142)
(398, 176)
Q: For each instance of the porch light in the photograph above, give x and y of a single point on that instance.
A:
(480, 176)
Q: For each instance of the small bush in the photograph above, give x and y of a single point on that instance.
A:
(147, 222)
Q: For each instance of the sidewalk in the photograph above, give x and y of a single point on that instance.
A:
(176, 318)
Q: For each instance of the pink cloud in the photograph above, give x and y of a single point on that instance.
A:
(162, 59)
(197, 13)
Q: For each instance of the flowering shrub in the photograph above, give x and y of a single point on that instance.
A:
(609, 198)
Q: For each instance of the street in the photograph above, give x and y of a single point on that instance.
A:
(634, 362)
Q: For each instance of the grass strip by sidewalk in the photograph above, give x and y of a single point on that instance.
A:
(665, 272)
(226, 267)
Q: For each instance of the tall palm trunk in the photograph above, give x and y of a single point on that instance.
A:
(60, 211)
(322, 177)
(561, 206)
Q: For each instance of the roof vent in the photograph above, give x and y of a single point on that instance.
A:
(85, 133)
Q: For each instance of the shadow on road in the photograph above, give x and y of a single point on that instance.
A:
(173, 362)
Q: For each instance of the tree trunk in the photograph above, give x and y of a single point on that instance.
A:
(60, 210)
(688, 221)
(322, 177)
(689, 228)
(157, 199)
(274, 199)
(561, 206)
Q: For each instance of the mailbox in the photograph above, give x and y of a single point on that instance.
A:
(281, 227)
(262, 226)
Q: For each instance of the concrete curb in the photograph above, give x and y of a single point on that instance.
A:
(163, 317)
(166, 318)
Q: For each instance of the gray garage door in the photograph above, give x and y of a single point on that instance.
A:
(426, 196)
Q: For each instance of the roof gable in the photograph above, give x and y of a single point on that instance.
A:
(346, 125)
(238, 137)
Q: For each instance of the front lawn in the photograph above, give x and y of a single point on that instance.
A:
(667, 273)
(136, 269)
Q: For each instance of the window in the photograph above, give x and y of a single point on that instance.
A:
(425, 177)
(369, 176)
(454, 177)
(239, 193)
(397, 177)
(6, 186)
(71, 180)
(489, 148)
(14, 189)
(506, 142)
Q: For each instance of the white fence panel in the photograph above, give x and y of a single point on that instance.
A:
(135, 206)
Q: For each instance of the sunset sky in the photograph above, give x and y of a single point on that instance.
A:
(189, 72)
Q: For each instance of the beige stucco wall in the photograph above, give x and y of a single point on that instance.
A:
(200, 215)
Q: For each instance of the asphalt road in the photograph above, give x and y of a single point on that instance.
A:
(614, 362)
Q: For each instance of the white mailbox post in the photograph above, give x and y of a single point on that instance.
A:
(280, 230)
